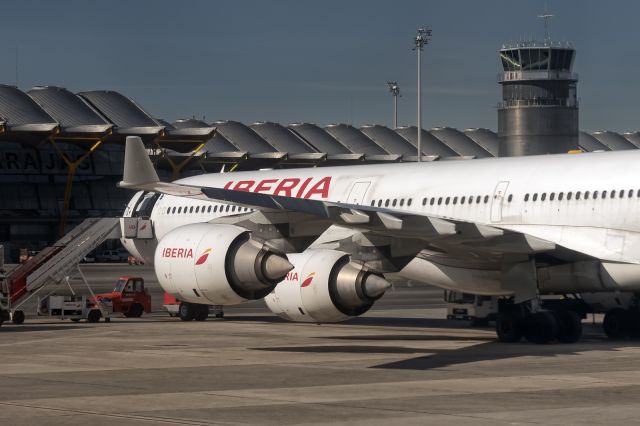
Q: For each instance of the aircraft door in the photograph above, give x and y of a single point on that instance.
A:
(497, 201)
(358, 191)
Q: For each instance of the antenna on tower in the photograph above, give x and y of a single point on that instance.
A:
(546, 15)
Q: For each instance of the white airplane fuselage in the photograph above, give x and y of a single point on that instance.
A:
(583, 202)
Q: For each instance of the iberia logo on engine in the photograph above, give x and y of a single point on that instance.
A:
(307, 281)
(203, 257)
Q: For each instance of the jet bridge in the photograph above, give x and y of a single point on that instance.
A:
(54, 263)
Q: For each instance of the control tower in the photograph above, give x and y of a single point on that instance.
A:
(538, 113)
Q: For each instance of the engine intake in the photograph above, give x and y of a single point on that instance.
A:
(217, 264)
(325, 286)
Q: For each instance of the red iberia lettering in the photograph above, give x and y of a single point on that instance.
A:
(264, 185)
(321, 187)
(285, 186)
(175, 252)
(244, 185)
(288, 187)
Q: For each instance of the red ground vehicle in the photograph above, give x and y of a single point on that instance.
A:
(129, 297)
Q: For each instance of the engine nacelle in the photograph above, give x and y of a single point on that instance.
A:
(325, 286)
(217, 264)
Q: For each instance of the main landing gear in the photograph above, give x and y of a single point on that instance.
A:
(528, 320)
(621, 323)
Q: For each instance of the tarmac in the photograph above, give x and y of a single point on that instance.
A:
(401, 363)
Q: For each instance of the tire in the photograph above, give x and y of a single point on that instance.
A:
(135, 311)
(186, 311)
(569, 326)
(616, 324)
(94, 315)
(541, 328)
(202, 312)
(509, 327)
(18, 317)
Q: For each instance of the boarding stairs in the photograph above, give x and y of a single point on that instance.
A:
(54, 264)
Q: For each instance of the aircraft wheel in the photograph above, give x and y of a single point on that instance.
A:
(202, 312)
(615, 324)
(569, 326)
(18, 317)
(186, 311)
(509, 327)
(541, 327)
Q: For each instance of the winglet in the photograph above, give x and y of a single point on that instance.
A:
(138, 169)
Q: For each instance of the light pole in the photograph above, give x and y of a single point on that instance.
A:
(421, 39)
(395, 92)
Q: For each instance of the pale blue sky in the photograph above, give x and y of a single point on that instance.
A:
(317, 61)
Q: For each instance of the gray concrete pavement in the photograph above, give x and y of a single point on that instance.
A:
(400, 363)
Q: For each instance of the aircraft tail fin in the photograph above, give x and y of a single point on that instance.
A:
(138, 169)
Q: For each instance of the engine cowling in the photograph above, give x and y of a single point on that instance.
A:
(217, 264)
(325, 286)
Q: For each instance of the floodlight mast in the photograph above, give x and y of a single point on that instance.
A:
(395, 92)
(420, 40)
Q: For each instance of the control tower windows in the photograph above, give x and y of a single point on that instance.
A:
(561, 59)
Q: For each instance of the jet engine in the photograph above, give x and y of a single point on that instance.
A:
(325, 286)
(217, 264)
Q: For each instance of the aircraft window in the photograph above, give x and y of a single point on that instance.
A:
(386, 202)
(446, 201)
(191, 209)
(462, 200)
(409, 201)
(535, 197)
(560, 196)
(630, 194)
(373, 203)
(526, 197)
(478, 198)
(470, 199)
(394, 202)
(595, 195)
(401, 202)
(432, 202)
(209, 209)
(215, 209)
(197, 209)
(569, 194)
(455, 200)
(604, 194)
(543, 197)
(439, 200)
(179, 209)
(510, 198)
(173, 210)
(621, 194)
(227, 208)
(578, 195)
(586, 195)
(638, 193)
(552, 196)
(424, 201)
(486, 199)
(379, 203)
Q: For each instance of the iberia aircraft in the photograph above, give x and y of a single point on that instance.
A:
(317, 243)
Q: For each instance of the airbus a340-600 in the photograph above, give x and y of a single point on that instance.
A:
(316, 243)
